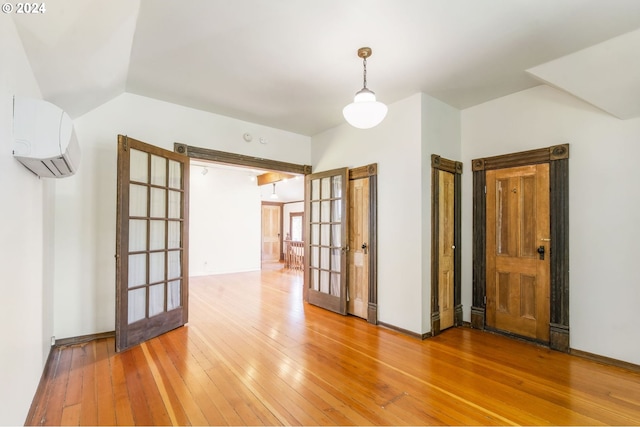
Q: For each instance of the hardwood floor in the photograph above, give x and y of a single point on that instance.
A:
(254, 354)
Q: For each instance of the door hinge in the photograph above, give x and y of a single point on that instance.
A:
(485, 189)
(485, 300)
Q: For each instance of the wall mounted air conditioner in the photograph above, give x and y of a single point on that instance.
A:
(44, 140)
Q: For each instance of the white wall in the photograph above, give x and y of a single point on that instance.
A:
(86, 202)
(604, 206)
(402, 146)
(25, 251)
(224, 221)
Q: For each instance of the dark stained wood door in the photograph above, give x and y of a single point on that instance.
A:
(446, 248)
(326, 196)
(152, 286)
(518, 241)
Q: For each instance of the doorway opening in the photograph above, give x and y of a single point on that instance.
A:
(259, 232)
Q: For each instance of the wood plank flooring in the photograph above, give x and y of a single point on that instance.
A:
(254, 354)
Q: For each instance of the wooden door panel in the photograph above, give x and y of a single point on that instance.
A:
(446, 247)
(517, 225)
(358, 254)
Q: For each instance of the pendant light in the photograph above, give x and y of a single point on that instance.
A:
(365, 112)
(274, 195)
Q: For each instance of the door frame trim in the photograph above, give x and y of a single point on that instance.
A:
(371, 171)
(441, 164)
(558, 158)
(239, 159)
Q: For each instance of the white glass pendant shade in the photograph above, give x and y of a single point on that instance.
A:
(365, 112)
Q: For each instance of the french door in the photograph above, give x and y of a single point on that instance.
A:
(326, 196)
(151, 242)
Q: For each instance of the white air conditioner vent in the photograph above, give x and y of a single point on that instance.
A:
(44, 139)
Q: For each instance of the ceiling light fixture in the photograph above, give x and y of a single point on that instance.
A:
(365, 112)
(274, 195)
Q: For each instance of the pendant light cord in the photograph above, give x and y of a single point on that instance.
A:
(364, 64)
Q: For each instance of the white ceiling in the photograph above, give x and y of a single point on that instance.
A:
(292, 64)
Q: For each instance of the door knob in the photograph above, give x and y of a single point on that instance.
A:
(364, 247)
(541, 252)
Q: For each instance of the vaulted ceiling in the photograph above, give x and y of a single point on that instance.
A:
(292, 64)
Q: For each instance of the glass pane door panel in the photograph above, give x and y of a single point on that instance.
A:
(325, 209)
(315, 189)
(324, 282)
(156, 267)
(315, 256)
(175, 174)
(137, 235)
(335, 284)
(156, 299)
(175, 199)
(325, 237)
(137, 200)
(173, 241)
(337, 187)
(325, 192)
(324, 258)
(139, 166)
(315, 281)
(158, 203)
(335, 259)
(158, 171)
(336, 235)
(137, 270)
(174, 270)
(137, 304)
(157, 239)
(315, 234)
(336, 210)
(173, 295)
(315, 211)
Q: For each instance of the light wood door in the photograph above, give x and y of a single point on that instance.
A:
(446, 247)
(271, 231)
(518, 250)
(358, 255)
(152, 280)
(326, 196)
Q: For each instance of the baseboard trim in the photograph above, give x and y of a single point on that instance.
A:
(406, 331)
(84, 339)
(605, 360)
